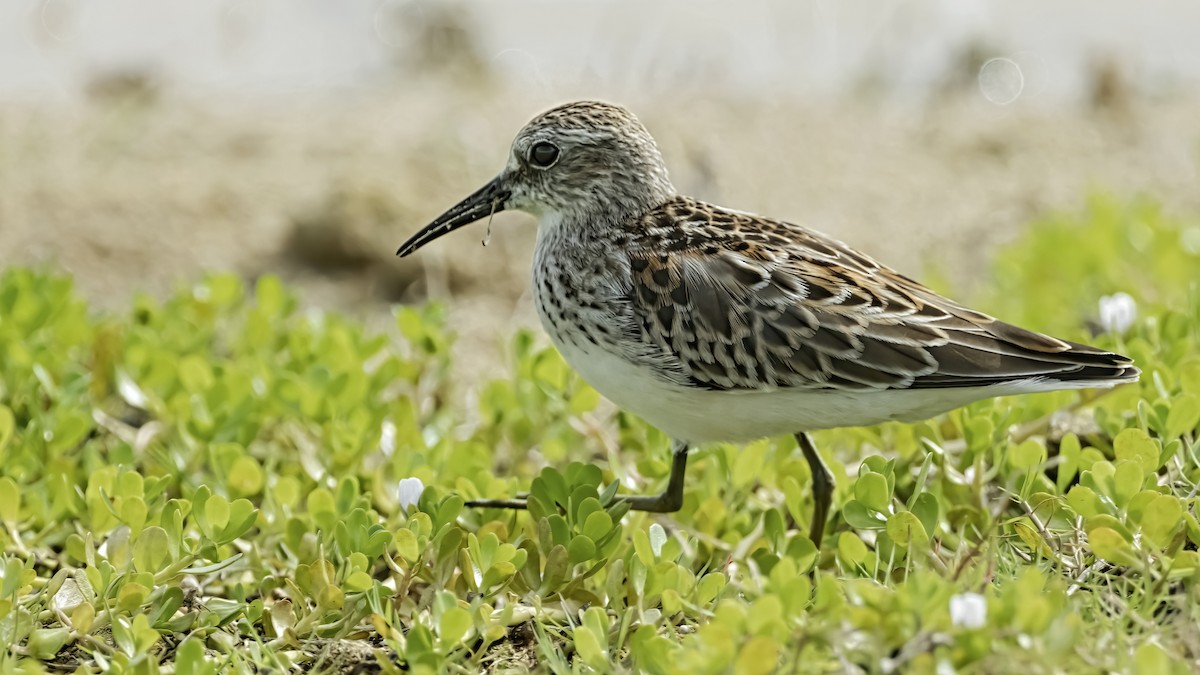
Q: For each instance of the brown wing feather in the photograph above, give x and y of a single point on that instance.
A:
(746, 303)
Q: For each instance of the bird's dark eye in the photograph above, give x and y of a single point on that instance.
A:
(543, 154)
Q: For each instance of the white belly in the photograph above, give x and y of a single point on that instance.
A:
(702, 416)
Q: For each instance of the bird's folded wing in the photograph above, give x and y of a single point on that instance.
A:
(738, 302)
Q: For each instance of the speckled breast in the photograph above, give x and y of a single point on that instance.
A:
(577, 290)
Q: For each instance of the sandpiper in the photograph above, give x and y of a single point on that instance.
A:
(717, 325)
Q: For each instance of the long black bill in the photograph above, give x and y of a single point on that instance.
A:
(489, 199)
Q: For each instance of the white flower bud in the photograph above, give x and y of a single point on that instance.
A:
(408, 492)
(968, 610)
(1118, 312)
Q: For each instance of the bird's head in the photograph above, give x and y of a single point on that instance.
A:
(574, 164)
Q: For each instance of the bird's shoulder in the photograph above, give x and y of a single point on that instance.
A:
(689, 227)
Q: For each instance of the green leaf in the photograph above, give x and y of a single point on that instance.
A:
(133, 514)
(1151, 659)
(749, 464)
(1161, 519)
(906, 529)
(851, 549)
(132, 596)
(331, 599)
(872, 490)
(10, 501)
(270, 295)
(652, 653)
(1127, 481)
(858, 516)
(581, 548)
(1032, 537)
(711, 584)
(239, 519)
(1028, 454)
(1184, 415)
(551, 485)
(12, 580)
(1069, 450)
(245, 477)
(359, 581)
(165, 607)
(1101, 476)
(556, 568)
(588, 646)
(759, 656)
(454, 624)
(407, 545)
(586, 504)
(926, 509)
(1111, 546)
(123, 637)
(199, 513)
(641, 546)
(1184, 564)
(45, 643)
(498, 573)
(83, 617)
(195, 374)
(144, 635)
(1084, 501)
(979, 432)
(189, 658)
(221, 290)
(216, 515)
(1136, 444)
(804, 552)
(584, 400)
(152, 550)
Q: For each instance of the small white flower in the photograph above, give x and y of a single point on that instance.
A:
(1117, 312)
(968, 610)
(408, 492)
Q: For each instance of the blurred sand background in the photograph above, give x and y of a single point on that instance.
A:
(143, 142)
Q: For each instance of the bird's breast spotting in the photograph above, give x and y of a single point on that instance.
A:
(576, 290)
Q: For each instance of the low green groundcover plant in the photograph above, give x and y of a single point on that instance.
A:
(223, 482)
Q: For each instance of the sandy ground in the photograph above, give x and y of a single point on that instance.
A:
(139, 190)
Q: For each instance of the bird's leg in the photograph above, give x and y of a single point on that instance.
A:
(668, 501)
(822, 487)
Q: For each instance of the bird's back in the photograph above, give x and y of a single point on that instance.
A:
(736, 302)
